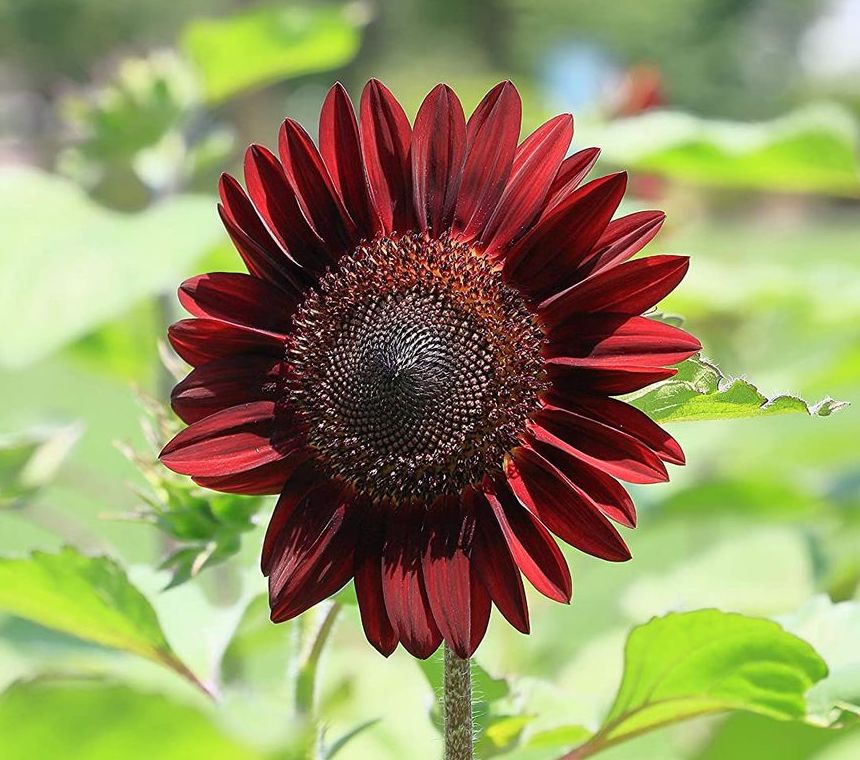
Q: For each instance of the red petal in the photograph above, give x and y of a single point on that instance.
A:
(629, 288)
(305, 478)
(572, 171)
(563, 507)
(438, 148)
(340, 147)
(314, 556)
(536, 164)
(233, 440)
(385, 138)
(459, 603)
(403, 584)
(279, 206)
(491, 142)
(611, 450)
(545, 258)
(606, 492)
(621, 416)
(316, 193)
(238, 298)
(263, 255)
(228, 382)
(265, 480)
(202, 340)
(495, 566)
(607, 339)
(607, 380)
(531, 544)
(368, 579)
(622, 239)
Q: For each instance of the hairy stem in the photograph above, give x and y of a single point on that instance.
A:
(457, 707)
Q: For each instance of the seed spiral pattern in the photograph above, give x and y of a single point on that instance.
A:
(415, 366)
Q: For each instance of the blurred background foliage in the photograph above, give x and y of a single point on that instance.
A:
(738, 117)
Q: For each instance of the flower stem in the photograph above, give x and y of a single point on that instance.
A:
(457, 707)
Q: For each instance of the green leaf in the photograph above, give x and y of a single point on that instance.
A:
(88, 597)
(259, 653)
(772, 740)
(333, 749)
(812, 151)
(689, 664)
(30, 460)
(264, 45)
(562, 737)
(754, 497)
(82, 265)
(700, 391)
(834, 630)
(99, 721)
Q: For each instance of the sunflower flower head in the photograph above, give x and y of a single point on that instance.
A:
(423, 360)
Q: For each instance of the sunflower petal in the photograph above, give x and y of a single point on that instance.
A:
(544, 260)
(237, 298)
(536, 164)
(495, 566)
(531, 544)
(315, 191)
(340, 147)
(403, 584)
(611, 450)
(199, 341)
(438, 148)
(227, 382)
(459, 602)
(492, 133)
(230, 441)
(385, 139)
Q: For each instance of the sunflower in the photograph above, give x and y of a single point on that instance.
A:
(422, 362)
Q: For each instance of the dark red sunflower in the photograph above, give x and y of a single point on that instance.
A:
(422, 361)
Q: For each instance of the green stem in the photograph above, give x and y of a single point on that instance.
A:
(308, 666)
(457, 707)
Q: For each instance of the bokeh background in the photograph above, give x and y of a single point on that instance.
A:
(738, 117)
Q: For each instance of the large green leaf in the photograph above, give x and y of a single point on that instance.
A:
(68, 265)
(88, 597)
(98, 721)
(270, 43)
(689, 664)
(813, 150)
(770, 740)
(700, 391)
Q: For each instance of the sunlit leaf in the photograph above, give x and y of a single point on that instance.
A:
(559, 738)
(267, 44)
(75, 265)
(700, 391)
(689, 664)
(88, 597)
(99, 721)
(770, 739)
(813, 150)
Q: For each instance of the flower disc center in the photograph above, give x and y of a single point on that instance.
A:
(416, 367)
